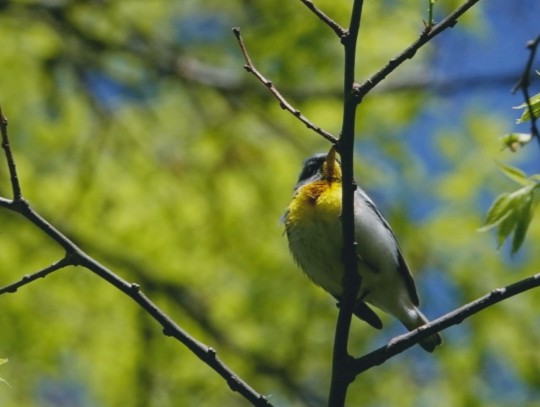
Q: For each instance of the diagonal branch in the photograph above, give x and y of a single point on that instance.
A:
(340, 31)
(284, 104)
(401, 343)
(76, 257)
(427, 35)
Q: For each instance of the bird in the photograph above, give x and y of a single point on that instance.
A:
(314, 232)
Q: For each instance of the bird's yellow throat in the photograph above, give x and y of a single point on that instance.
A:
(321, 199)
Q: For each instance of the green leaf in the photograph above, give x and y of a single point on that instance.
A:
(515, 174)
(535, 105)
(504, 205)
(499, 209)
(523, 219)
(512, 213)
(505, 229)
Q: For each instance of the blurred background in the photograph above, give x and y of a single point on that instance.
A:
(138, 133)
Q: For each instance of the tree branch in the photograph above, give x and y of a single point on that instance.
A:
(16, 187)
(351, 278)
(75, 256)
(340, 31)
(342, 372)
(427, 35)
(403, 342)
(196, 307)
(283, 103)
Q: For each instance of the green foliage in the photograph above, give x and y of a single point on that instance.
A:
(515, 140)
(512, 212)
(535, 106)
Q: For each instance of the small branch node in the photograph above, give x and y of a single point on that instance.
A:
(263, 399)
(356, 91)
(233, 383)
(344, 38)
(167, 331)
(498, 291)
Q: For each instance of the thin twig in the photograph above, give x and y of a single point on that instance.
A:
(284, 104)
(15, 185)
(401, 343)
(340, 31)
(427, 35)
(27, 279)
(430, 22)
(524, 83)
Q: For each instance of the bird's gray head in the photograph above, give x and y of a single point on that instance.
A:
(320, 166)
(312, 168)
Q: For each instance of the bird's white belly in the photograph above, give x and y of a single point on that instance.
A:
(317, 248)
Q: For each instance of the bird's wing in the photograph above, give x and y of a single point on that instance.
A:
(402, 267)
(362, 311)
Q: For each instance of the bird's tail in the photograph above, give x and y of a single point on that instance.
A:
(429, 343)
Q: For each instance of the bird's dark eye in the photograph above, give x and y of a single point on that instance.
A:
(312, 165)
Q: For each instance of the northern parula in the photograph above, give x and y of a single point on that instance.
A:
(314, 231)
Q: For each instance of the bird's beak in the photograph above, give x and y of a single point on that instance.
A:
(331, 168)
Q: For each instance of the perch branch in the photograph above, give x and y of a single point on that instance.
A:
(403, 342)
